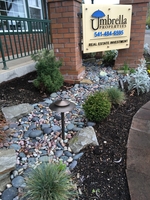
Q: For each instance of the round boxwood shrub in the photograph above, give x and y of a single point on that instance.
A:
(97, 106)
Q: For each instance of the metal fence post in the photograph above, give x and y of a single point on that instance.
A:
(3, 56)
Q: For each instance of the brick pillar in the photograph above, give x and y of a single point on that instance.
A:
(132, 55)
(65, 27)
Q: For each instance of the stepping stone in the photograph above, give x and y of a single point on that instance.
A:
(139, 185)
(146, 106)
(138, 139)
(138, 160)
(143, 114)
(141, 125)
(138, 155)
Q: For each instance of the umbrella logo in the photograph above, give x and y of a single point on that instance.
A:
(98, 14)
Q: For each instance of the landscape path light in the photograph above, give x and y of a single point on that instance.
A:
(62, 106)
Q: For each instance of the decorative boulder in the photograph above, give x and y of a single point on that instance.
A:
(7, 164)
(85, 137)
(13, 113)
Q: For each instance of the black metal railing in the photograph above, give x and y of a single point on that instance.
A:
(20, 37)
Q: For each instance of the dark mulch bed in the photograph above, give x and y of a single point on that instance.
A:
(102, 168)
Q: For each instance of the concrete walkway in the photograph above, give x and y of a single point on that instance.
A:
(16, 68)
(138, 155)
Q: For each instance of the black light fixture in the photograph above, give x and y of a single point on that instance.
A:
(62, 106)
(92, 1)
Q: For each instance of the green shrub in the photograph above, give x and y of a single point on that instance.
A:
(97, 106)
(115, 95)
(109, 57)
(140, 80)
(49, 181)
(49, 77)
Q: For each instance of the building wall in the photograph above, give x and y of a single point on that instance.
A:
(132, 55)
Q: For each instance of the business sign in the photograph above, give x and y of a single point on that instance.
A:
(106, 27)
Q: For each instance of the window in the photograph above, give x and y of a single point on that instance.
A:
(18, 8)
(14, 8)
(35, 9)
(22, 9)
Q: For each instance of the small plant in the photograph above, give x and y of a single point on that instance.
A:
(49, 181)
(96, 192)
(115, 95)
(109, 57)
(139, 80)
(49, 77)
(132, 70)
(125, 68)
(97, 106)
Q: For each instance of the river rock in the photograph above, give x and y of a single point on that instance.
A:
(45, 158)
(43, 126)
(9, 193)
(86, 81)
(83, 138)
(57, 117)
(59, 153)
(67, 153)
(18, 181)
(91, 124)
(77, 156)
(70, 126)
(72, 165)
(47, 130)
(56, 128)
(7, 164)
(15, 146)
(35, 133)
(102, 73)
(64, 158)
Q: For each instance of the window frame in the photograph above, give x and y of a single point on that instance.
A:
(27, 15)
(27, 7)
(40, 8)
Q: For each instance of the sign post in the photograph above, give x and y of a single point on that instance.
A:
(106, 27)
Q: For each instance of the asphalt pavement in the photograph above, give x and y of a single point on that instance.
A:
(147, 37)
